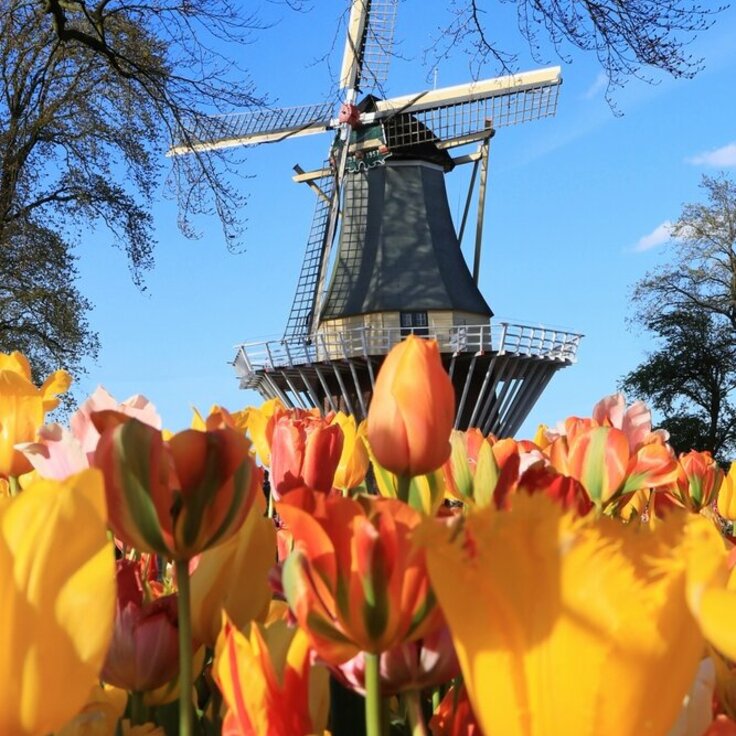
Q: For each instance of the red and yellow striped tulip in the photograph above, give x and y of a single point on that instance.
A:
(412, 410)
(562, 624)
(174, 498)
(22, 409)
(57, 601)
(268, 683)
(305, 451)
(354, 580)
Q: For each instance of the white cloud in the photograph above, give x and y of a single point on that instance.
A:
(661, 234)
(599, 84)
(724, 156)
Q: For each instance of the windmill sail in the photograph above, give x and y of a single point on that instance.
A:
(454, 114)
(302, 309)
(266, 125)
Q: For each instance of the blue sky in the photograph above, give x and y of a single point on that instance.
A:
(575, 215)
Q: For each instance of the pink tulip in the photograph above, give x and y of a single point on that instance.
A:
(144, 651)
(413, 665)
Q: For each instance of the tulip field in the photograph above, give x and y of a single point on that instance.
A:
(239, 576)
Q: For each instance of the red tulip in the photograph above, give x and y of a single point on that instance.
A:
(454, 715)
(412, 411)
(305, 451)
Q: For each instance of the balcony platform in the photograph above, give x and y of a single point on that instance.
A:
(499, 370)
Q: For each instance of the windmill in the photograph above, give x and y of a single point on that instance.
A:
(397, 267)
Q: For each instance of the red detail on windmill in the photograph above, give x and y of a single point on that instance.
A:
(349, 114)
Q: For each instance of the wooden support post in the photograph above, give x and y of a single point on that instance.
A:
(485, 150)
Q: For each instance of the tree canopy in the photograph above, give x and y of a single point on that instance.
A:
(689, 307)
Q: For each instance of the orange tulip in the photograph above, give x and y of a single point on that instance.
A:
(305, 451)
(412, 411)
(174, 498)
(354, 580)
(698, 479)
(454, 715)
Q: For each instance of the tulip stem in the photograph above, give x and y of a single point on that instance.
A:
(185, 649)
(137, 708)
(403, 483)
(414, 711)
(373, 720)
(14, 485)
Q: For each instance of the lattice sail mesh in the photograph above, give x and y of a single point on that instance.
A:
(265, 121)
(447, 122)
(300, 316)
(378, 44)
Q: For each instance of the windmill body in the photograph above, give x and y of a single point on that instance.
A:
(396, 267)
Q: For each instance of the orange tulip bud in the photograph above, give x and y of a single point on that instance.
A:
(412, 411)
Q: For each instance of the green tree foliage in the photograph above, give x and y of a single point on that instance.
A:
(689, 307)
(690, 380)
(89, 99)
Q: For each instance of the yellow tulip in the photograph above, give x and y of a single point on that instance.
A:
(22, 409)
(218, 418)
(260, 423)
(353, 463)
(57, 601)
(727, 495)
(561, 625)
(234, 578)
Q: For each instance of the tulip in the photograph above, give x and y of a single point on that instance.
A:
(305, 451)
(260, 423)
(57, 601)
(354, 580)
(562, 624)
(22, 409)
(218, 418)
(413, 665)
(412, 410)
(698, 479)
(424, 493)
(144, 652)
(353, 465)
(634, 421)
(601, 459)
(268, 683)
(567, 492)
(721, 726)
(233, 578)
(727, 495)
(174, 498)
(696, 713)
(454, 715)
(59, 452)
